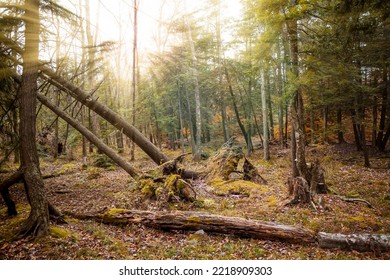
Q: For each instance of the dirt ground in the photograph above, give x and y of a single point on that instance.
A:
(90, 190)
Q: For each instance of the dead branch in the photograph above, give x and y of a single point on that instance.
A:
(353, 200)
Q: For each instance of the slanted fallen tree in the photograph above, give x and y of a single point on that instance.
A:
(90, 136)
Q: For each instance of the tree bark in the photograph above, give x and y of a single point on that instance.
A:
(198, 116)
(90, 136)
(208, 222)
(240, 124)
(358, 242)
(265, 122)
(4, 191)
(38, 220)
(297, 109)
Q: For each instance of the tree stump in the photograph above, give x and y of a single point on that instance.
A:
(299, 189)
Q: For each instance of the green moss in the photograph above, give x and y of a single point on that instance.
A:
(59, 232)
(113, 216)
(194, 219)
(148, 188)
(239, 187)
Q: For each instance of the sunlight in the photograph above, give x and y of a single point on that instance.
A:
(113, 20)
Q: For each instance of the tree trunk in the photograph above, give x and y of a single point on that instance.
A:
(4, 186)
(93, 118)
(358, 242)
(38, 220)
(279, 88)
(210, 223)
(240, 124)
(90, 136)
(198, 119)
(297, 109)
(134, 82)
(340, 134)
(180, 119)
(265, 122)
(381, 143)
(325, 124)
(116, 120)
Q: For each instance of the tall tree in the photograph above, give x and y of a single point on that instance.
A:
(134, 77)
(38, 220)
(297, 108)
(264, 111)
(195, 78)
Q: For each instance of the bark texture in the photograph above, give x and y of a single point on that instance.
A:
(357, 242)
(209, 223)
(38, 221)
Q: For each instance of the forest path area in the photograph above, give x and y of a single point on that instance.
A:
(94, 190)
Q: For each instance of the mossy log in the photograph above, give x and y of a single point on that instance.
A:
(210, 223)
(357, 242)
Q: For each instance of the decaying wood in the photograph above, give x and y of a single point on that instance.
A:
(224, 161)
(299, 189)
(251, 173)
(316, 177)
(208, 222)
(357, 242)
(241, 227)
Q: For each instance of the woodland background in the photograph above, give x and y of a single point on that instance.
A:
(290, 86)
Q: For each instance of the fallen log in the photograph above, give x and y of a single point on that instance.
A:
(357, 242)
(241, 227)
(180, 220)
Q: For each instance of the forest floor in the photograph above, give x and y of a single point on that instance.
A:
(93, 189)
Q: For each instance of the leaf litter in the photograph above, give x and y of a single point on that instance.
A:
(94, 189)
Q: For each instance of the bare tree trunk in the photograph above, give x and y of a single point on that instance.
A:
(198, 117)
(340, 134)
(180, 119)
(240, 124)
(38, 220)
(93, 119)
(279, 88)
(265, 122)
(297, 109)
(134, 82)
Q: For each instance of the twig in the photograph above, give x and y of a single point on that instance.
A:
(349, 199)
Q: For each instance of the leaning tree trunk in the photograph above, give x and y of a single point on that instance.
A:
(38, 220)
(90, 136)
(119, 122)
